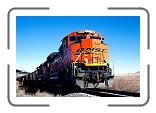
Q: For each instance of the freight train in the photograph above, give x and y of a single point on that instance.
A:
(82, 59)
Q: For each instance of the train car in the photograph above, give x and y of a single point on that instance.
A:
(82, 59)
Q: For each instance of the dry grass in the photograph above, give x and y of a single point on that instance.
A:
(21, 93)
(130, 83)
(43, 94)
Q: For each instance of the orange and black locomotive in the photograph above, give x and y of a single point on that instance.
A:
(82, 59)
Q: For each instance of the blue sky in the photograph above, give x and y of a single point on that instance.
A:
(38, 36)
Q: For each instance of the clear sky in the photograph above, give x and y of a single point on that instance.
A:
(38, 36)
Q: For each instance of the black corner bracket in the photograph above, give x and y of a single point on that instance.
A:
(148, 48)
(19, 8)
(8, 47)
(148, 19)
(19, 105)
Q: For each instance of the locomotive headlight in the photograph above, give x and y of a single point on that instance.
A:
(86, 60)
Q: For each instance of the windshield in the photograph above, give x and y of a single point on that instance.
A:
(76, 39)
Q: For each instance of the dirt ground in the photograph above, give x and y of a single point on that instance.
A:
(123, 82)
(127, 82)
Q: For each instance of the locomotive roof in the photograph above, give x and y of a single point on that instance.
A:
(84, 32)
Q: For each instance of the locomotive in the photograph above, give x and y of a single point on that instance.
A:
(82, 59)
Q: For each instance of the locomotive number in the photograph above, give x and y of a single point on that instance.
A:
(89, 50)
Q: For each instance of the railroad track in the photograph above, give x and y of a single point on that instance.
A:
(109, 93)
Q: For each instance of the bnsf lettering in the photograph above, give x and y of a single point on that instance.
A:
(89, 50)
(79, 51)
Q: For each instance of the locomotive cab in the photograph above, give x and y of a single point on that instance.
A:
(86, 52)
